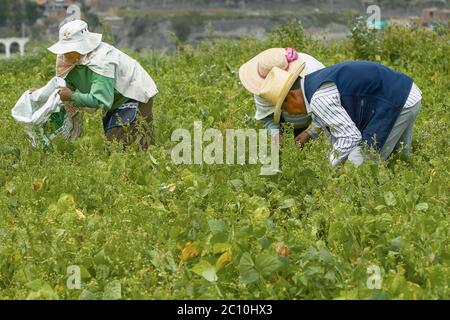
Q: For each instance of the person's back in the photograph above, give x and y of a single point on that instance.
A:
(372, 94)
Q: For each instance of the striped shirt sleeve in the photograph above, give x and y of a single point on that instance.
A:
(334, 120)
(414, 97)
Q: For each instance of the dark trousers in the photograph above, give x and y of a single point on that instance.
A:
(139, 132)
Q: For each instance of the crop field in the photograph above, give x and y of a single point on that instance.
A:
(138, 226)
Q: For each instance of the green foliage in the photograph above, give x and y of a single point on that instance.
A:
(89, 16)
(140, 227)
(365, 41)
(290, 35)
(14, 12)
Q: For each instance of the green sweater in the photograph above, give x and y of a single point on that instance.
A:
(92, 90)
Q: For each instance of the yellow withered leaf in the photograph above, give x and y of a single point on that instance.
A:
(282, 249)
(223, 260)
(189, 251)
(80, 214)
(37, 185)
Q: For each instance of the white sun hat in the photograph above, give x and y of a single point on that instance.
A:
(74, 36)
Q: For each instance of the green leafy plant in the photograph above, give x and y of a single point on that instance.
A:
(140, 227)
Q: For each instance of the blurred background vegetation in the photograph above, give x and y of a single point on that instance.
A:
(160, 24)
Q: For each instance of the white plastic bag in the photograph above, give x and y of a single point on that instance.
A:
(37, 107)
(34, 110)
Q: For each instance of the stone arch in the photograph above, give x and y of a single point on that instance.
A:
(2, 49)
(14, 47)
(21, 42)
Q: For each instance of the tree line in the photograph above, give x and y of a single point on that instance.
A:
(15, 12)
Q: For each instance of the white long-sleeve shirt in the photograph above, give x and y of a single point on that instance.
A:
(328, 112)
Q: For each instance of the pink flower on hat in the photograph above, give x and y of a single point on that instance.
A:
(291, 55)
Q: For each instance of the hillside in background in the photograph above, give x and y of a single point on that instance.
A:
(153, 24)
(252, 4)
(160, 25)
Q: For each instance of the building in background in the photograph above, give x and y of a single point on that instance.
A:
(55, 8)
(433, 16)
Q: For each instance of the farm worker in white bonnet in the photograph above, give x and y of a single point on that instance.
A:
(253, 75)
(101, 76)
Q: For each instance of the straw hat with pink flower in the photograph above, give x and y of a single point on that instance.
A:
(271, 74)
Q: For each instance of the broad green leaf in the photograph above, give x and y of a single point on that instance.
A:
(221, 237)
(205, 270)
(113, 291)
(170, 263)
(44, 292)
(422, 206)
(35, 285)
(286, 204)
(325, 256)
(100, 258)
(102, 272)
(84, 273)
(217, 226)
(87, 295)
(397, 244)
(267, 264)
(155, 258)
(236, 183)
(210, 274)
(389, 198)
(247, 269)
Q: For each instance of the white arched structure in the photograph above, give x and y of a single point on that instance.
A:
(8, 42)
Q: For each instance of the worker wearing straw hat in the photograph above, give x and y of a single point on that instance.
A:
(358, 104)
(99, 76)
(254, 73)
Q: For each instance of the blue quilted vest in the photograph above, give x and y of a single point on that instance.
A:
(373, 95)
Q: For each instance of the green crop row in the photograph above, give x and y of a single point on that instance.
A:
(139, 227)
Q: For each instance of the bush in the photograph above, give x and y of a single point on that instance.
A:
(289, 35)
(365, 41)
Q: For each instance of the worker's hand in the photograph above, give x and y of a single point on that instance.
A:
(302, 138)
(65, 94)
(70, 109)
